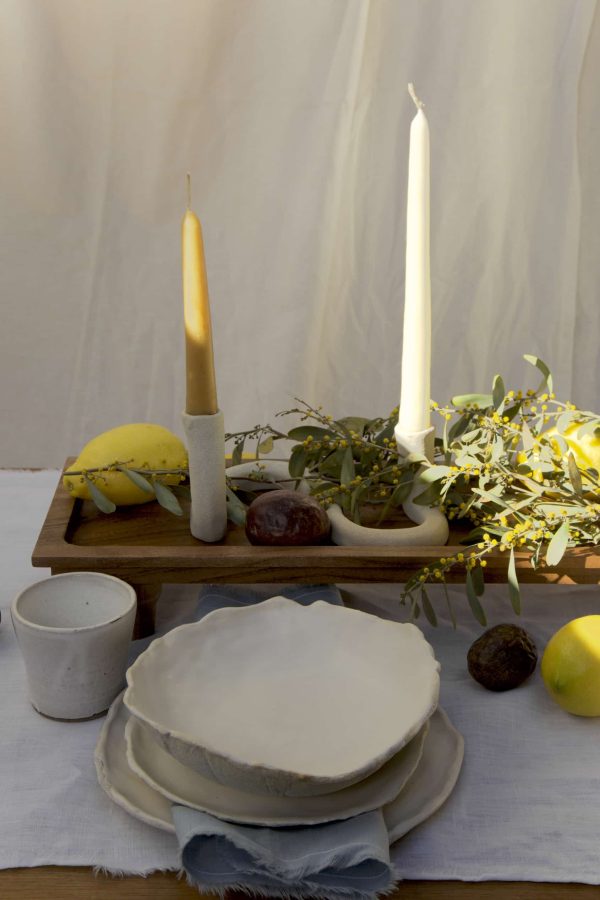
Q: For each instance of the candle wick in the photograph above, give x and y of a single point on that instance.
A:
(189, 191)
(411, 90)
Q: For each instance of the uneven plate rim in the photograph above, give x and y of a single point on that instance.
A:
(100, 757)
(266, 770)
(272, 820)
(426, 811)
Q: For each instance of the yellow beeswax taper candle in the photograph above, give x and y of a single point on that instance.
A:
(201, 391)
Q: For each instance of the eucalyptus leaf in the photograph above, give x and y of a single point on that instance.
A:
(167, 498)
(355, 498)
(514, 591)
(140, 482)
(236, 510)
(387, 432)
(527, 437)
(266, 446)
(428, 608)
(543, 368)
(449, 605)
(564, 421)
(236, 455)
(303, 431)
(497, 450)
(317, 487)
(459, 427)
(347, 471)
(471, 436)
(297, 462)
(354, 423)
(588, 428)
(481, 401)
(558, 545)
(574, 474)
(103, 503)
(498, 394)
(478, 580)
(476, 607)
(434, 473)
(466, 459)
(533, 486)
(331, 464)
(513, 411)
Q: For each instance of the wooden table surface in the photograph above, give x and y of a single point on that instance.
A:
(72, 883)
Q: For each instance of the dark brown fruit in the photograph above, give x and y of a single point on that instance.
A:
(286, 518)
(502, 658)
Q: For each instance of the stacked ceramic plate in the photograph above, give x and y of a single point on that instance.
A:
(281, 714)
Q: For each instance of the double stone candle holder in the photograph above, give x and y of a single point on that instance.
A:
(205, 439)
(431, 525)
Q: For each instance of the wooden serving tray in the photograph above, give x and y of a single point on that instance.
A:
(147, 546)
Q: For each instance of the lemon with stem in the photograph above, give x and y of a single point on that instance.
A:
(140, 445)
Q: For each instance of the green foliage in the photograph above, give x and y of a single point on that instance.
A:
(495, 468)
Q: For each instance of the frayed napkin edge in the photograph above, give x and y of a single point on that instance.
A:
(311, 893)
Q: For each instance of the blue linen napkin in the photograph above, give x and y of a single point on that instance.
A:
(349, 859)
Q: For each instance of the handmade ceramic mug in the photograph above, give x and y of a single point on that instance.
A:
(74, 632)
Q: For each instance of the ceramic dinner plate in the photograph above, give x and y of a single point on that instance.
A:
(175, 781)
(433, 780)
(430, 785)
(356, 687)
(116, 778)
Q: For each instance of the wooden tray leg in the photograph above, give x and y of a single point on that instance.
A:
(147, 598)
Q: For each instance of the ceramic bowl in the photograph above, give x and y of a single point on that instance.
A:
(162, 772)
(279, 698)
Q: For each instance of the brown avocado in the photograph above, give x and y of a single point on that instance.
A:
(502, 658)
(286, 518)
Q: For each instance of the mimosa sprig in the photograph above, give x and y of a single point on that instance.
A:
(147, 480)
(512, 464)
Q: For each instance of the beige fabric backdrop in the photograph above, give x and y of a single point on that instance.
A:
(293, 119)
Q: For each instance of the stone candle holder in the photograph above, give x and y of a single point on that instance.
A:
(205, 440)
(431, 525)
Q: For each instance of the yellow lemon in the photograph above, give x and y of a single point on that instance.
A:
(586, 449)
(139, 446)
(571, 666)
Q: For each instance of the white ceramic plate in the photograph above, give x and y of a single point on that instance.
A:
(433, 780)
(230, 695)
(430, 785)
(175, 781)
(116, 778)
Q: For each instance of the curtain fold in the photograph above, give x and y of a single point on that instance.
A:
(293, 120)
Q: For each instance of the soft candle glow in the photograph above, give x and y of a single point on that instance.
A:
(414, 412)
(201, 393)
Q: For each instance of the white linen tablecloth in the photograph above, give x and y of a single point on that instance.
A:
(525, 806)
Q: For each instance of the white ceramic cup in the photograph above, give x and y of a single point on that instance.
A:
(74, 632)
